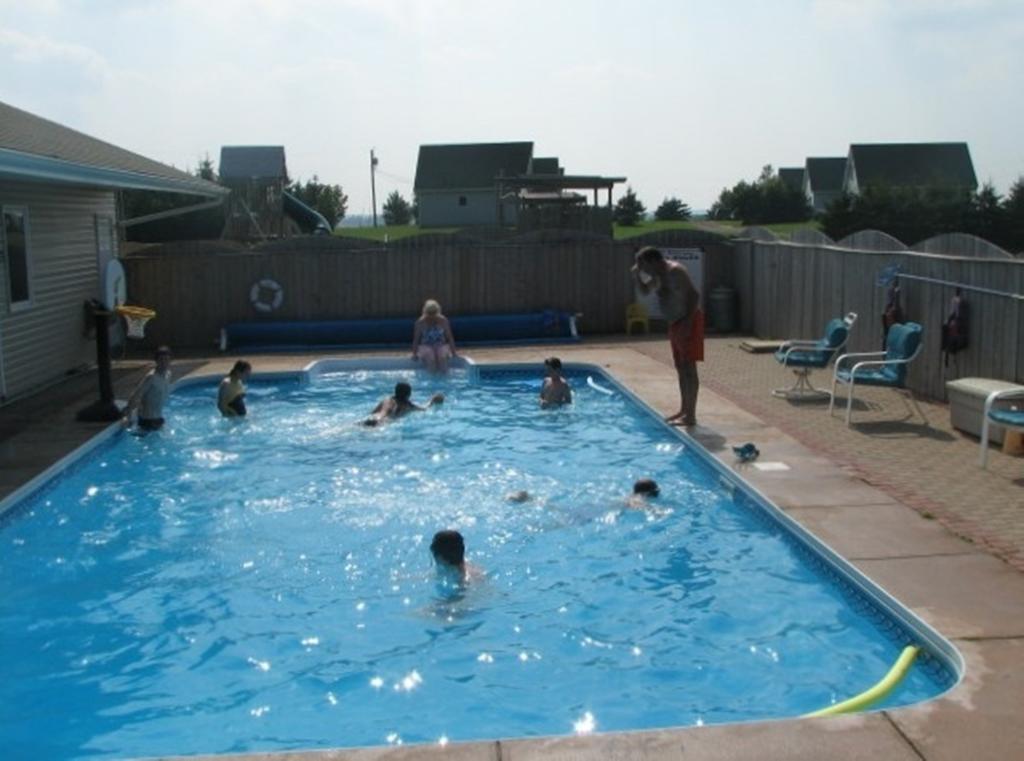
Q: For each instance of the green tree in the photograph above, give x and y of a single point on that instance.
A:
(205, 169)
(327, 199)
(985, 214)
(768, 199)
(628, 209)
(672, 210)
(397, 210)
(1012, 228)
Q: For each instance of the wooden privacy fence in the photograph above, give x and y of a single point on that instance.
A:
(789, 290)
(196, 290)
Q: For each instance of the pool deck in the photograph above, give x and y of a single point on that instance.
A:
(904, 502)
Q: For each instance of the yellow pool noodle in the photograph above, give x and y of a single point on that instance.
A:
(873, 694)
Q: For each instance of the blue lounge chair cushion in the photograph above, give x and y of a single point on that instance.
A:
(821, 354)
(1007, 417)
(900, 344)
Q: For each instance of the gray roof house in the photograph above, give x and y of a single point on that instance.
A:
(456, 185)
(57, 239)
(823, 181)
(913, 165)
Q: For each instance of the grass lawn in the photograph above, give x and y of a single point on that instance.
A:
(622, 231)
(727, 227)
(785, 228)
(392, 232)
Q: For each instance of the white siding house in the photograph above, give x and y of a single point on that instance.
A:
(58, 229)
(456, 185)
(823, 181)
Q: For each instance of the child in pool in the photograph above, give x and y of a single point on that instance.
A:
(231, 392)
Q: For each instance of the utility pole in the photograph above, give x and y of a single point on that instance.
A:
(373, 185)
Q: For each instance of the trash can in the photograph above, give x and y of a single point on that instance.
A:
(722, 309)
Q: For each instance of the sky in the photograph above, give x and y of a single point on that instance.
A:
(683, 98)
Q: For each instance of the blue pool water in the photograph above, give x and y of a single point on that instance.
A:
(242, 586)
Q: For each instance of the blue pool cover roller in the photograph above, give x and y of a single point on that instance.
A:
(549, 326)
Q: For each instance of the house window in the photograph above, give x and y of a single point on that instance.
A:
(14, 246)
(462, 200)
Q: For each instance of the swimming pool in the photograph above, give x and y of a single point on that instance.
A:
(224, 587)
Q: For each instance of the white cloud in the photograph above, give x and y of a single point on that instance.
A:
(36, 49)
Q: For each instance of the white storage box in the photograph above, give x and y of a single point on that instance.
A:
(967, 404)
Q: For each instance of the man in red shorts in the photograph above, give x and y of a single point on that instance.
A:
(679, 301)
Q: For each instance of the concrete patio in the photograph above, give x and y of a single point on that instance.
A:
(904, 502)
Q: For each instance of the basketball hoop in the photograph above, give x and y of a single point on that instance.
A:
(135, 319)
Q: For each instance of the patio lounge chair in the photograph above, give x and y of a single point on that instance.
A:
(805, 356)
(902, 345)
(1011, 418)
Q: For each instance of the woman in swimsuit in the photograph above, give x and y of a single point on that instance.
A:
(231, 393)
(432, 340)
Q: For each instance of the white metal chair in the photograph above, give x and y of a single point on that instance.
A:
(902, 345)
(1011, 418)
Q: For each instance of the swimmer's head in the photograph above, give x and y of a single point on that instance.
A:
(162, 351)
(553, 363)
(403, 391)
(519, 496)
(449, 548)
(646, 487)
(240, 368)
(431, 308)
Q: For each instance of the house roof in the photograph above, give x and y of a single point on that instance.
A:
(37, 149)
(561, 181)
(913, 164)
(469, 165)
(792, 176)
(244, 162)
(825, 174)
(544, 166)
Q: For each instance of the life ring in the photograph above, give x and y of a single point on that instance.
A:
(257, 291)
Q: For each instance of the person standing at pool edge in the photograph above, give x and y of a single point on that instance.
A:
(231, 392)
(679, 301)
(151, 394)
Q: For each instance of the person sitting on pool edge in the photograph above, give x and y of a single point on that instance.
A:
(449, 551)
(432, 340)
(644, 490)
(555, 391)
(399, 404)
(151, 394)
(231, 392)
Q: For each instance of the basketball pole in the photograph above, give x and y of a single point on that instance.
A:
(103, 410)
